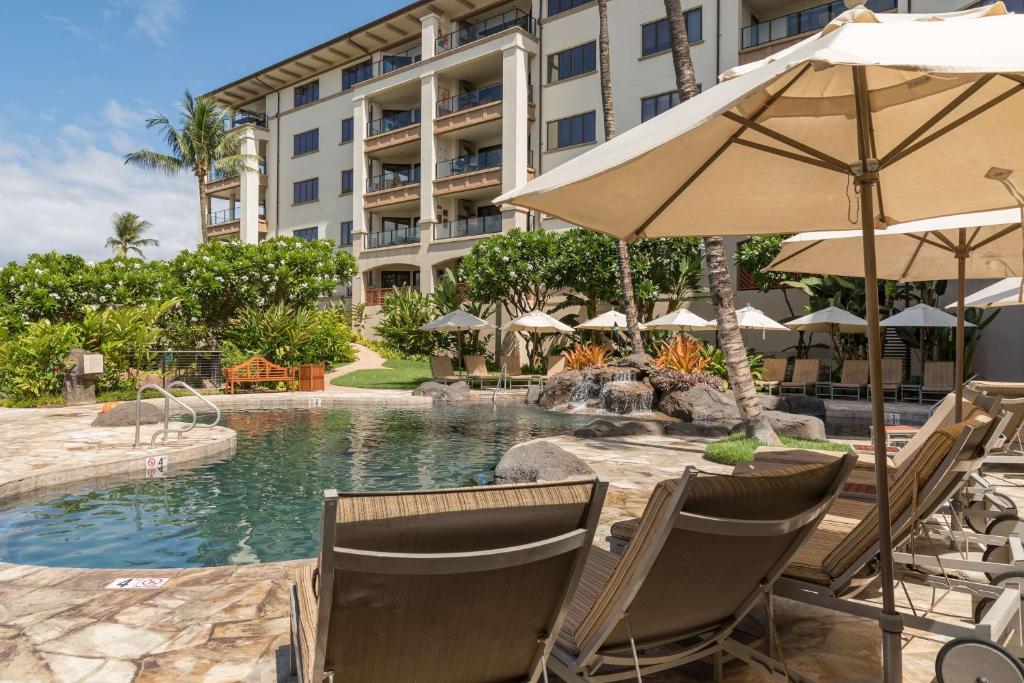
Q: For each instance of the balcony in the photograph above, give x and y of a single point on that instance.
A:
(469, 163)
(227, 223)
(486, 27)
(469, 109)
(807, 20)
(393, 179)
(355, 75)
(469, 100)
(224, 184)
(392, 131)
(468, 173)
(393, 122)
(392, 238)
(243, 117)
(391, 188)
(468, 227)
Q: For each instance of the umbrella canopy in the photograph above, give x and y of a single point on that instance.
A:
(538, 322)
(612, 320)
(679, 320)
(921, 315)
(1008, 292)
(456, 321)
(829, 319)
(751, 318)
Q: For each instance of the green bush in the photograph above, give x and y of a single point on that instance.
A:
(403, 312)
(32, 362)
(124, 335)
(288, 336)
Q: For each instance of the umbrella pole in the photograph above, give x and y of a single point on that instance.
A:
(867, 180)
(961, 273)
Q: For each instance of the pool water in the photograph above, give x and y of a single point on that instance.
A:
(263, 504)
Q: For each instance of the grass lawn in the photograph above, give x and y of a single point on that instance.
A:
(396, 374)
(738, 448)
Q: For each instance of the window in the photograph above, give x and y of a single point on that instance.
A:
(346, 182)
(308, 234)
(309, 92)
(657, 104)
(346, 235)
(559, 6)
(347, 130)
(572, 130)
(356, 74)
(389, 224)
(581, 59)
(304, 143)
(657, 37)
(306, 191)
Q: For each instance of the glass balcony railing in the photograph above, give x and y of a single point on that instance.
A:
(233, 214)
(391, 238)
(221, 175)
(391, 179)
(244, 117)
(810, 19)
(355, 75)
(475, 98)
(469, 163)
(468, 227)
(386, 124)
(486, 27)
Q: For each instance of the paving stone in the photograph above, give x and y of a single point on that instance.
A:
(113, 640)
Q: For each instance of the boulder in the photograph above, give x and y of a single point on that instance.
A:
(623, 398)
(640, 361)
(599, 429)
(700, 403)
(123, 415)
(802, 405)
(539, 461)
(533, 394)
(559, 388)
(705, 430)
(790, 424)
(771, 401)
(614, 373)
(459, 391)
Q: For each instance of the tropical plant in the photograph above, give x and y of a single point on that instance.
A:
(201, 141)
(585, 356)
(32, 362)
(289, 336)
(403, 312)
(716, 362)
(127, 238)
(124, 335)
(586, 269)
(682, 355)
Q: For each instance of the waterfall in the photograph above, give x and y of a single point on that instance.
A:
(601, 386)
(586, 388)
(636, 403)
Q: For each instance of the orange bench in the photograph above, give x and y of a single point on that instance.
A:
(259, 369)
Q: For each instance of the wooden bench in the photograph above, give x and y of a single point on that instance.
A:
(259, 369)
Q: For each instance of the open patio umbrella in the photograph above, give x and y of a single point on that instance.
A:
(538, 323)
(682, 319)
(982, 245)
(832, 320)
(611, 320)
(750, 318)
(458, 321)
(875, 117)
(1008, 292)
(921, 316)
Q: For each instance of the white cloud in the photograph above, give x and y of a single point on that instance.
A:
(156, 17)
(60, 196)
(121, 116)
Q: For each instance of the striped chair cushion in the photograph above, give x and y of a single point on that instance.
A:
(842, 518)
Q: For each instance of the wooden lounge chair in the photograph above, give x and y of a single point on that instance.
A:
(939, 378)
(441, 370)
(854, 378)
(1004, 389)
(476, 369)
(805, 374)
(773, 373)
(465, 584)
(1010, 450)
(892, 378)
(708, 549)
(512, 371)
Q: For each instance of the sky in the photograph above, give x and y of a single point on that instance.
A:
(80, 79)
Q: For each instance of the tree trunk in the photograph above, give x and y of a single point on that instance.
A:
(636, 343)
(204, 215)
(740, 379)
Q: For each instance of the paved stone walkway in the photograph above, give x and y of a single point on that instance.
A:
(366, 359)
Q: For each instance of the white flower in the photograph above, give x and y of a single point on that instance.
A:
(39, 271)
(54, 295)
(103, 299)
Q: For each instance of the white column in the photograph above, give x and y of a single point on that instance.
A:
(428, 157)
(431, 24)
(359, 123)
(249, 182)
(515, 131)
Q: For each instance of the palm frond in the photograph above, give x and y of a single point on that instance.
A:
(154, 161)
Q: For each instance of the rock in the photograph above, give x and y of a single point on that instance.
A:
(459, 391)
(559, 388)
(772, 402)
(707, 430)
(533, 394)
(539, 461)
(700, 403)
(800, 426)
(802, 405)
(623, 398)
(123, 415)
(640, 361)
(599, 429)
(613, 373)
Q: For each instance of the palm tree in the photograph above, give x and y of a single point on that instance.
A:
(621, 248)
(200, 142)
(729, 336)
(128, 229)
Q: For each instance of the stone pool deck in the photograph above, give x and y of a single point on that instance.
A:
(231, 623)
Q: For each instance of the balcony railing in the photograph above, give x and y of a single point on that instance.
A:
(476, 98)
(386, 124)
(470, 163)
(468, 227)
(355, 75)
(221, 175)
(243, 117)
(392, 238)
(391, 179)
(486, 27)
(810, 19)
(233, 214)
(375, 295)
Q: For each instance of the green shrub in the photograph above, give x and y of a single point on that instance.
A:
(124, 335)
(403, 312)
(32, 362)
(288, 336)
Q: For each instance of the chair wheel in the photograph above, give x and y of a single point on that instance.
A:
(994, 504)
(969, 660)
(975, 517)
(981, 609)
(1006, 524)
(996, 553)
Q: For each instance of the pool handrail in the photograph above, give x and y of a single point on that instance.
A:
(168, 397)
(191, 390)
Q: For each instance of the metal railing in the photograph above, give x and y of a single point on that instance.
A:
(194, 367)
(486, 27)
(221, 175)
(469, 163)
(233, 214)
(386, 124)
(468, 227)
(391, 238)
(391, 179)
(168, 397)
(353, 76)
(468, 100)
(243, 117)
(804, 21)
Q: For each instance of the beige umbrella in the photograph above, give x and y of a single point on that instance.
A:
(538, 323)
(832, 320)
(923, 315)
(682, 319)
(611, 320)
(1008, 292)
(458, 321)
(876, 116)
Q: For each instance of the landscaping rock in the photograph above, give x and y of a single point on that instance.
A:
(123, 415)
(700, 403)
(623, 398)
(558, 389)
(772, 402)
(800, 426)
(640, 361)
(539, 461)
(533, 393)
(706, 430)
(599, 429)
(802, 405)
(452, 393)
(614, 373)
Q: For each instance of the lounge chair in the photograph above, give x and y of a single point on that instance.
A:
(892, 378)
(939, 378)
(1004, 389)
(512, 371)
(476, 370)
(853, 378)
(441, 370)
(773, 373)
(805, 374)
(708, 549)
(465, 584)
(1011, 449)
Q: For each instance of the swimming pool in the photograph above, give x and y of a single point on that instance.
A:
(263, 503)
